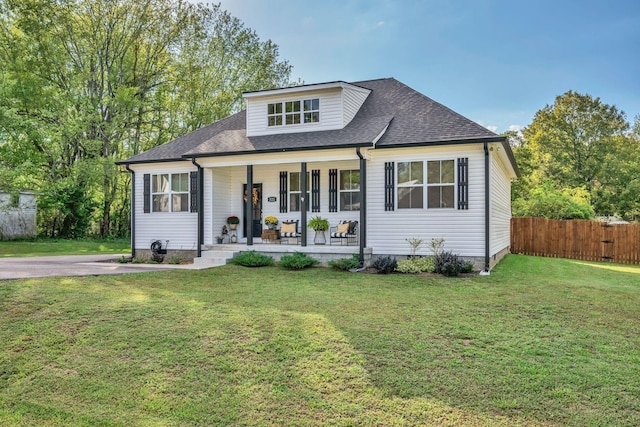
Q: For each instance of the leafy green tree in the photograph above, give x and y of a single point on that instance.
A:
(84, 83)
(547, 201)
(578, 143)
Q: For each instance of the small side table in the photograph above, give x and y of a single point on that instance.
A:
(271, 236)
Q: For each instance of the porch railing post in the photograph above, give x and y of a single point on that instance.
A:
(249, 208)
(303, 203)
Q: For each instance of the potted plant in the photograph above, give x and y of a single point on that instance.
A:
(220, 239)
(271, 222)
(233, 222)
(319, 225)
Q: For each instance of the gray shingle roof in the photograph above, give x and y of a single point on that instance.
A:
(412, 118)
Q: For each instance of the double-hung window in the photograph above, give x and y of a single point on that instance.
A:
(312, 110)
(349, 190)
(292, 112)
(170, 192)
(410, 185)
(274, 114)
(440, 184)
(295, 191)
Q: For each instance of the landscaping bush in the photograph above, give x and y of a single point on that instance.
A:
(416, 265)
(297, 261)
(346, 264)
(385, 265)
(252, 259)
(450, 264)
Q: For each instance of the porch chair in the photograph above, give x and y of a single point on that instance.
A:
(289, 231)
(346, 232)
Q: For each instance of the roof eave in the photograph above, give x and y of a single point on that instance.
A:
(276, 150)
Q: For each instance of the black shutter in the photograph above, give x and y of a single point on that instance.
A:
(147, 192)
(389, 186)
(193, 191)
(333, 190)
(283, 191)
(315, 190)
(463, 183)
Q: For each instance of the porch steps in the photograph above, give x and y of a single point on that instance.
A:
(214, 258)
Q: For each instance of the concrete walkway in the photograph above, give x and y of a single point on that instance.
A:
(76, 265)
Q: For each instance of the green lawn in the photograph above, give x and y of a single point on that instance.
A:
(46, 247)
(541, 341)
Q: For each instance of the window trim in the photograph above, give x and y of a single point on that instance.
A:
(169, 193)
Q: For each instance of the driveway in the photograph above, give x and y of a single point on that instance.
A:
(77, 265)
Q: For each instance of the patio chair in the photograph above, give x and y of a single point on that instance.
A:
(346, 232)
(289, 231)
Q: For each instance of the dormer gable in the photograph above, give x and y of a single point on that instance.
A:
(308, 108)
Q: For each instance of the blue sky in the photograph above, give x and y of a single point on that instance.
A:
(494, 61)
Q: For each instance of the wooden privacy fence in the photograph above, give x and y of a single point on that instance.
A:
(576, 239)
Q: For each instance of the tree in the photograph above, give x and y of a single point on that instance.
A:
(84, 83)
(579, 143)
(569, 139)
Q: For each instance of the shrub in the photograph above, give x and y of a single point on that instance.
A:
(252, 259)
(416, 265)
(450, 264)
(123, 259)
(385, 265)
(346, 264)
(175, 259)
(297, 261)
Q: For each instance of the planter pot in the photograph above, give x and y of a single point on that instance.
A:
(319, 238)
(220, 240)
(233, 226)
(271, 226)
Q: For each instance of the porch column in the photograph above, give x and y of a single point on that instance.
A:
(249, 202)
(303, 202)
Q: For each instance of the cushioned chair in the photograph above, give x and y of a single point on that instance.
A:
(289, 232)
(346, 232)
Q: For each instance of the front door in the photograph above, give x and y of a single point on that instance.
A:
(256, 198)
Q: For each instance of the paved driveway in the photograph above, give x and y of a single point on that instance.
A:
(77, 265)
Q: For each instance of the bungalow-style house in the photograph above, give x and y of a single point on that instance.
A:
(393, 162)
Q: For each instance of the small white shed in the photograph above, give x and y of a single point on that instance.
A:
(17, 215)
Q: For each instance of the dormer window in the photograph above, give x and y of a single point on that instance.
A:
(294, 112)
(274, 114)
(292, 109)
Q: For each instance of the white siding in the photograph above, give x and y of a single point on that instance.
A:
(353, 98)
(462, 230)
(331, 116)
(500, 209)
(180, 228)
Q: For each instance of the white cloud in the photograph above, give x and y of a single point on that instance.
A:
(515, 128)
(492, 128)
(379, 24)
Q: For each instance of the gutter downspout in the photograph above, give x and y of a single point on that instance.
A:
(487, 206)
(363, 205)
(200, 204)
(133, 210)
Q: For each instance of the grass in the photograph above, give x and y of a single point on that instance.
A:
(541, 341)
(46, 247)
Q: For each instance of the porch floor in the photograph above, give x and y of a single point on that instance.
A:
(286, 248)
